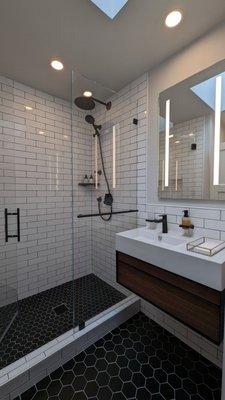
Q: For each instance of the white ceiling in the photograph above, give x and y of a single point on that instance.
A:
(113, 52)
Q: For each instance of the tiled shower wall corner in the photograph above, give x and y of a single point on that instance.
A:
(82, 164)
(129, 103)
(40, 138)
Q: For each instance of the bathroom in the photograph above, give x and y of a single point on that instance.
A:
(103, 146)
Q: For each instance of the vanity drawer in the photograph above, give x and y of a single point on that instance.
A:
(195, 305)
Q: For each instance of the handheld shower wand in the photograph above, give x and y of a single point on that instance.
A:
(108, 198)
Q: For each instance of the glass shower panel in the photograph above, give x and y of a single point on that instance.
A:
(46, 231)
(104, 126)
(39, 132)
(83, 187)
(46, 247)
(9, 232)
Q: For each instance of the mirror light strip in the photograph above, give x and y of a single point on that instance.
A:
(96, 162)
(218, 100)
(163, 173)
(114, 156)
(176, 181)
(57, 172)
(167, 143)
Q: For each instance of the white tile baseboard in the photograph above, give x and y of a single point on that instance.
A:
(24, 373)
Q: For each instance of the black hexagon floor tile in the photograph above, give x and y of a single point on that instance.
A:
(101, 372)
(49, 314)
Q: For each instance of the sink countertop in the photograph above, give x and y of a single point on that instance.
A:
(173, 256)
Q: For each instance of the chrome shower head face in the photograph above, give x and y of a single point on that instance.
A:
(85, 103)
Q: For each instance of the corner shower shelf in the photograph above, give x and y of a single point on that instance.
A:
(86, 184)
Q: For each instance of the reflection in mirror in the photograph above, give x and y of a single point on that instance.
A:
(192, 137)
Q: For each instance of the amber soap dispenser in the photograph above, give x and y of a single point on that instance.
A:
(186, 224)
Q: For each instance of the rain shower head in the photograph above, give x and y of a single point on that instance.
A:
(88, 103)
(85, 103)
(89, 119)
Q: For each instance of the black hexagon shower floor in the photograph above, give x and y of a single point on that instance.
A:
(140, 361)
(49, 314)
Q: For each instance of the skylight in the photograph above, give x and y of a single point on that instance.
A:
(110, 7)
(206, 91)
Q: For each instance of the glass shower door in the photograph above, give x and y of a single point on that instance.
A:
(9, 234)
(104, 154)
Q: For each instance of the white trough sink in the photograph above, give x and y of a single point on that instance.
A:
(169, 252)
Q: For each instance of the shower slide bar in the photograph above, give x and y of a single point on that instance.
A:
(106, 213)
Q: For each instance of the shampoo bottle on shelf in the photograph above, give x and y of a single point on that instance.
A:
(91, 180)
(86, 179)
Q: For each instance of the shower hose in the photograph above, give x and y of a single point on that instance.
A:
(107, 183)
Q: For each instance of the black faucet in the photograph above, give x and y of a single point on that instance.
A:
(163, 220)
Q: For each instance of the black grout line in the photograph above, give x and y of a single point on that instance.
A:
(38, 323)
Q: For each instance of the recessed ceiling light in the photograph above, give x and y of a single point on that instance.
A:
(87, 93)
(56, 64)
(28, 108)
(191, 134)
(173, 19)
(177, 142)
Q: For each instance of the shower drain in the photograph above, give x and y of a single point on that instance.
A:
(60, 309)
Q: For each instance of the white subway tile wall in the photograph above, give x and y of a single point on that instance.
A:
(35, 128)
(130, 103)
(81, 202)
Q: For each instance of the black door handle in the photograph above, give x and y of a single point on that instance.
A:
(7, 236)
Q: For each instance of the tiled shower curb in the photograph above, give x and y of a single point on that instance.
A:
(24, 373)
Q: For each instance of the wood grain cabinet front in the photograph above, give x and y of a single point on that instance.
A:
(197, 306)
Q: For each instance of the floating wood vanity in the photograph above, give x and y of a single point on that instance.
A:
(196, 305)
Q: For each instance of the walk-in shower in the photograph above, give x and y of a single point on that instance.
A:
(61, 274)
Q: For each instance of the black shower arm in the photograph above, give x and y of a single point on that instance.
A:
(107, 105)
(99, 101)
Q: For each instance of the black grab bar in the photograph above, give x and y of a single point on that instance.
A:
(106, 213)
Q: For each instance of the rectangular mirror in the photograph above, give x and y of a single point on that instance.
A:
(192, 137)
